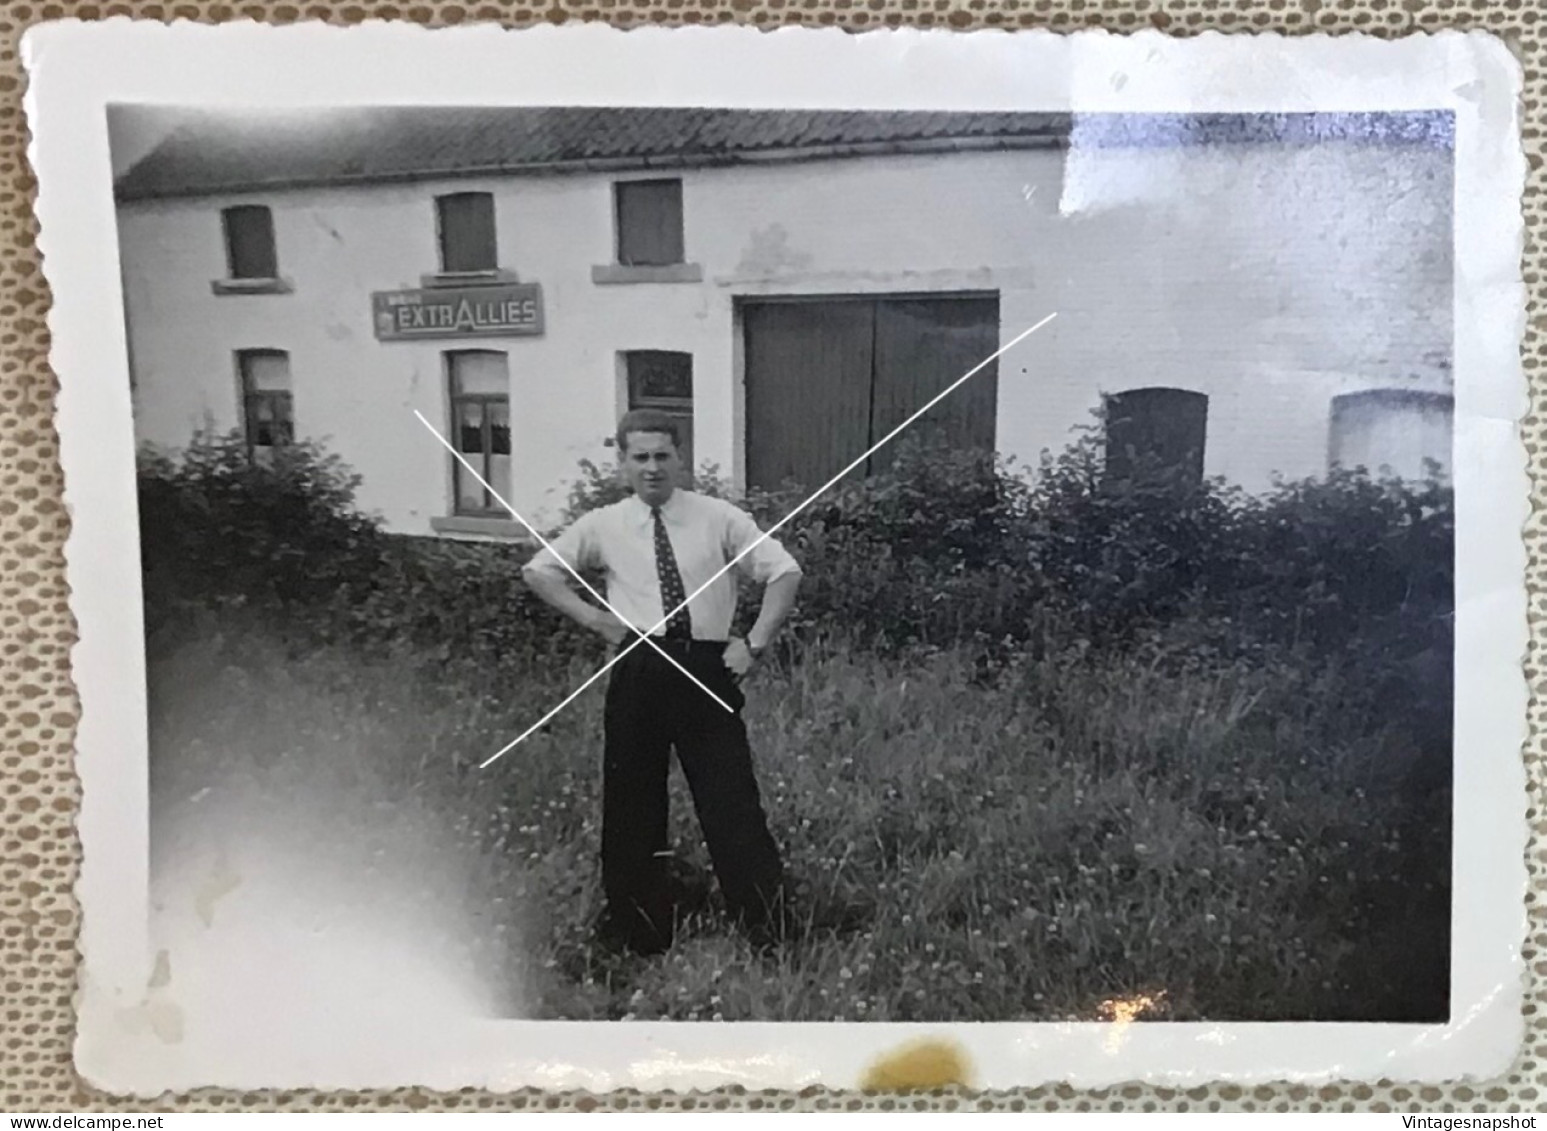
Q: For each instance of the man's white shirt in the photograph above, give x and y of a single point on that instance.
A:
(705, 533)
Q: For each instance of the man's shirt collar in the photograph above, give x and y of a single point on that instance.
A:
(671, 507)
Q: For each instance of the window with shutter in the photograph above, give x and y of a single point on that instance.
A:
(250, 253)
(649, 222)
(466, 228)
(1156, 433)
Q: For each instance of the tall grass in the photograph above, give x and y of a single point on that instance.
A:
(1020, 848)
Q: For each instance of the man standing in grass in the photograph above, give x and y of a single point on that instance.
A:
(656, 548)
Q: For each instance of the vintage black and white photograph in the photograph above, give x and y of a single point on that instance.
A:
(706, 563)
(1163, 717)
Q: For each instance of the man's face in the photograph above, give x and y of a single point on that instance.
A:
(651, 464)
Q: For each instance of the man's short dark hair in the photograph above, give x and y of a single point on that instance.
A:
(648, 420)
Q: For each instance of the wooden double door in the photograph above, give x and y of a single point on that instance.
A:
(827, 378)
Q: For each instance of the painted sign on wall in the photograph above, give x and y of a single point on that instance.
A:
(505, 310)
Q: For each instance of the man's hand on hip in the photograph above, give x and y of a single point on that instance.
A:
(739, 658)
(610, 627)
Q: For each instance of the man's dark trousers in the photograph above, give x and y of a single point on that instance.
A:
(653, 708)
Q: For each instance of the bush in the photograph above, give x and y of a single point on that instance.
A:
(464, 609)
(1349, 553)
(929, 552)
(952, 547)
(946, 547)
(221, 526)
(1125, 554)
(593, 489)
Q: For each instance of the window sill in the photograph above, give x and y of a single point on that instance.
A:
(480, 526)
(252, 286)
(612, 273)
(492, 277)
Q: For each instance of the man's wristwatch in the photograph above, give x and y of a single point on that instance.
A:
(757, 650)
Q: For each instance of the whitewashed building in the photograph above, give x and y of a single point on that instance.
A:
(1252, 296)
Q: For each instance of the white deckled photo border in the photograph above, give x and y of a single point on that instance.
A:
(77, 69)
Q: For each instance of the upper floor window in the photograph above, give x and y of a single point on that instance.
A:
(267, 413)
(249, 232)
(465, 226)
(480, 420)
(663, 379)
(1152, 432)
(649, 222)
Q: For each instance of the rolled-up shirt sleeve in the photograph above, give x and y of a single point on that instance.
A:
(578, 545)
(767, 560)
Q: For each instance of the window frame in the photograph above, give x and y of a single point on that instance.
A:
(1343, 406)
(454, 401)
(679, 408)
(271, 238)
(443, 270)
(620, 189)
(1197, 467)
(249, 397)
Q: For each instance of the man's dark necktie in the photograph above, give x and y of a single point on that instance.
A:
(680, 627)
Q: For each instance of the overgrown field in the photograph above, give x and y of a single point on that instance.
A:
(1074, 745)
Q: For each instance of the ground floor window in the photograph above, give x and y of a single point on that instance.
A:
(267, 413)
(1403, 432)
(1156, 433)
(480, 416)
(663, 380)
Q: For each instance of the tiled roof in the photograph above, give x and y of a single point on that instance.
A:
(220, 153)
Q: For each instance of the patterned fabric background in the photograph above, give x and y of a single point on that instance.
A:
(39, 852)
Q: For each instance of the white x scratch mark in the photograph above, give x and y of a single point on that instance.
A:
(979, 367)
(643, 637)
